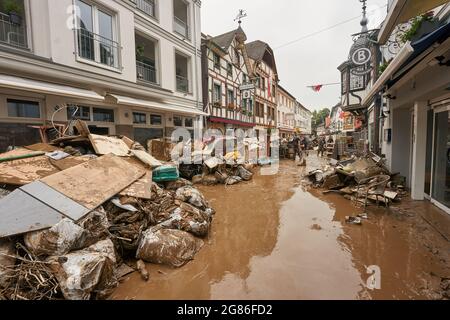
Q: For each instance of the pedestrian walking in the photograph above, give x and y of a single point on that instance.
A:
(321, 149)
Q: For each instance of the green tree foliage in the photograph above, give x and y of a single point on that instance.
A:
(319, 117)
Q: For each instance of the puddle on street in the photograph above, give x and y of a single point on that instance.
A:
(272, 239)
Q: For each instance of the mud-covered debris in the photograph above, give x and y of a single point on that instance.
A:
(86, 272)
(353, 220)
(192, 196)
(169, 247)
(174, 185)
(245, 174)
(233, 180)
(58, 240)
(209, 180)
(140, 265)
(7, 261)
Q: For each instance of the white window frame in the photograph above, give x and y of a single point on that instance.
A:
(188, 22)
(189, 71)
(95, 26)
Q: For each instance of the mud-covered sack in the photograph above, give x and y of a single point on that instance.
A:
(7, 261)
(192, 196)
(233, 180)
(168, 246)
(245, 174)
(95, 226)
(174, 185)
(190, 219)
(85, 272)
(58, 240)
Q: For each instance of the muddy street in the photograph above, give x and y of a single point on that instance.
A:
(273, 239)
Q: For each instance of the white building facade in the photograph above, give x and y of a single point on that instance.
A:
(125, 67)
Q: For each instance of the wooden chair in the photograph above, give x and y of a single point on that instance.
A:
(374, 186)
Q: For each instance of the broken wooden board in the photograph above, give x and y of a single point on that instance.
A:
(82, 128)
(45, 147)
(96, 181)
(106, 145)
(69, 162)
(141, 189)
(146, 158)
(24, 171)
(391, 195)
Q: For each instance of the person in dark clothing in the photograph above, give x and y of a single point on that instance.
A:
(321, 149)
(296, 144)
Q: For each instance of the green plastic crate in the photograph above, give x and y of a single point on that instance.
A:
(165, 174)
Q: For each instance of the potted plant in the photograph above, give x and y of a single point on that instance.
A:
(140, 49)
(14, 10)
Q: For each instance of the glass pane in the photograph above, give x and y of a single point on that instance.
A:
(177, 121)
(155, 120)
(85, 16)
(103, 115)
(23, 109)
(74, 112)
(429, 152)
(105, 25)
(139, 118)
(441, 176)
(189, 122)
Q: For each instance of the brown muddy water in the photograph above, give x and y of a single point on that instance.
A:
(273, 239)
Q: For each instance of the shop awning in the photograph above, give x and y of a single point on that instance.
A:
(158, 106)
(409, 56)
(402, 11)
(230, 121)
(18, 83)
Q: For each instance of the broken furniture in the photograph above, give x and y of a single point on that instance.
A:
(373, 188)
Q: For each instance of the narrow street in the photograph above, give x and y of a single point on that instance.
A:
(273, 239)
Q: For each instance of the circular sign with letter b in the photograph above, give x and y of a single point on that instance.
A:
(361, 56)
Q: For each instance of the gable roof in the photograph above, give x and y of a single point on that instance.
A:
(258, 51)
(225, 40)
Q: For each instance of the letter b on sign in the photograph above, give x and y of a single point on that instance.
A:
(361, 56)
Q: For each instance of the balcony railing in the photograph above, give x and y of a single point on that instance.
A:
(147, 6)
(96, 48)
(12, 34)
(146, 72)
(181, 27)
(182, 84)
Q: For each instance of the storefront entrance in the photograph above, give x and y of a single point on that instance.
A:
(440, 183)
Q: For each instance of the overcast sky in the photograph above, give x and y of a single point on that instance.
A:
(310, 61)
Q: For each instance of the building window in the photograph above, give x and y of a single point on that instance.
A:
(139, 118)
(189, 122)
(217, 93)
(146, 59)
(103, 115)
(230, 97)
(216, 59)
(96, 34)
(155, 120)
(147, 6)
(181, 18)
(229, 69)
(78, 112)
(177, 121)
(13, 29)
(182, 73)
(23, 109)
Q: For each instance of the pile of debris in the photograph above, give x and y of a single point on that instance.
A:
(75, 209)
(362, 180)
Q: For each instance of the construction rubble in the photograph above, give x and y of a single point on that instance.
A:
(362, 180)
(77, 210)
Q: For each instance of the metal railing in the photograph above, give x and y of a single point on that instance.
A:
(182, 84)
(181, 27)
(147, 6)
(12, 34)
(94, 47)
(146, 72)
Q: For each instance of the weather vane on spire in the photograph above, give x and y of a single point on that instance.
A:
(242, 14)
(364, 20)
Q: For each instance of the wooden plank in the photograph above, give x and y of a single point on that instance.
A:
(141, 189)
(106, 145)
(69, 162)
(24, 171)
(42, 147)
(146, 158)
(94, 182)
(22, 213)
(82, 128)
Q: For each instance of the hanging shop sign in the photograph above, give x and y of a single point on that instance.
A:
(361, 56)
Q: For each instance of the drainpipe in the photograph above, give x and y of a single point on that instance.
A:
(197, 76)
